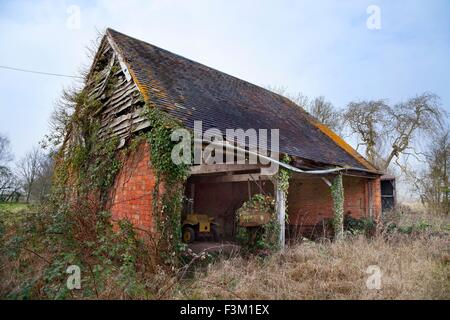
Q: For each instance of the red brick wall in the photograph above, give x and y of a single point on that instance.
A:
(131, 195)
(309, 200)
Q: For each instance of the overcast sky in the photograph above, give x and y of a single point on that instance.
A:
(315, 47)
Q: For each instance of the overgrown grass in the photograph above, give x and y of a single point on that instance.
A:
(414, 265)
(11, 213)
(411, 269)
(414, 258)
(13, 207)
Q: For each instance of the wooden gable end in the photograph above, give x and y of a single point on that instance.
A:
(121, 103)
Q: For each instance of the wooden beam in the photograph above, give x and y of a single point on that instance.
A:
(220, 168)
(347, 173)
(229, 178)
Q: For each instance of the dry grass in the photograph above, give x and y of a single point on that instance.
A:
(412, 269)
(414, 266)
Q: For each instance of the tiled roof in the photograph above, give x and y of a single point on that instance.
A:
(191, 91)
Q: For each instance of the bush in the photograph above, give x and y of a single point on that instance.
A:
(262, 239)
(364, 226)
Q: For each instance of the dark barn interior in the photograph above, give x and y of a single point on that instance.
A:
(220, 195)
(388, 193)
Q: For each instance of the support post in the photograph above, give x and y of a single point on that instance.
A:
(280, 198)
(337, 193)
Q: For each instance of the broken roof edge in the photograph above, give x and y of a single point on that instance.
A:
(322, 127)
(117, 50)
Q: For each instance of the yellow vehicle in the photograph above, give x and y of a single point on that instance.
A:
(199, 226)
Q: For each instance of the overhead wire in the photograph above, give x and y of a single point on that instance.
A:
(40, 72)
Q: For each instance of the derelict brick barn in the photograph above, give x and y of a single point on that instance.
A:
(189, 91)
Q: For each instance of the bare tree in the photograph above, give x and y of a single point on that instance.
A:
(381, 127)
(300, 99)
(419, 115)
(9, 185)
(5, 175)
(42, 185)
(433, 183)
(326, 113)
(5, 151)
(322, 110)
(60, 119)
(28, 170)
(368, 119)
